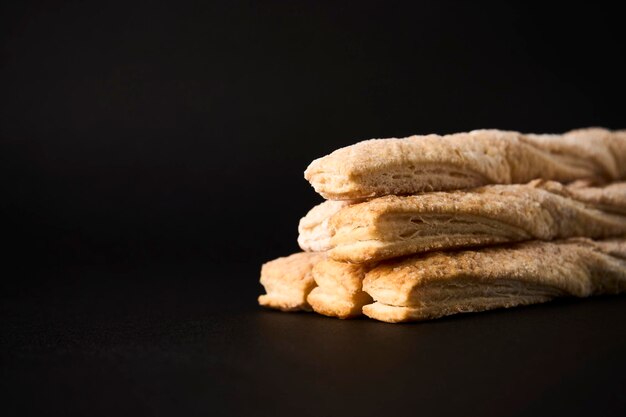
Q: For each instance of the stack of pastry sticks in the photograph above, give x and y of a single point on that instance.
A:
(428, 226)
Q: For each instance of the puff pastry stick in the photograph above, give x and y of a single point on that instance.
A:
(313, 228)
(441, 284)
(339, 293)
(415, 164)
(288, 281)
(392, 226)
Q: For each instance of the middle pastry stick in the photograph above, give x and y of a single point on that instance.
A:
(392, 226)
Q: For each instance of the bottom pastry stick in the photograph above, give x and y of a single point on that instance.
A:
(288, 281)
(445, 283)
(339, 292)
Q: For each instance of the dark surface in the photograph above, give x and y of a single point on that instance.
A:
(151, 158)
(168, 341)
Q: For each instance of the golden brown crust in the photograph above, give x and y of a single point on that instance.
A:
(343, 306)
(610, 198)
(443, 283)
(288, 281)
(401, 314)
(416, 164)
(392, 226)
(339, 293)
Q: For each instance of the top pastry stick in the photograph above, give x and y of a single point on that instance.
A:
(416, 164)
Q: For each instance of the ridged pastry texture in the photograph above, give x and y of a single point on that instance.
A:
(339, 293)
(444, 283)
(416, 164)
(288, 281)
(312, 227)
(392, 226)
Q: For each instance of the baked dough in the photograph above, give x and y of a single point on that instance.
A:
(339, 293)
(392, 226)
(313, 228)
(441, 284)
(288, 281)
(416, 164)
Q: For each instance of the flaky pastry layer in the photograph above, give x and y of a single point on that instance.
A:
(445, 283)
(416, 164)
(392, 226)
(288, 281)
(339, 293)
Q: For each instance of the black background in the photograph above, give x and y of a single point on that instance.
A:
(152, 157)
